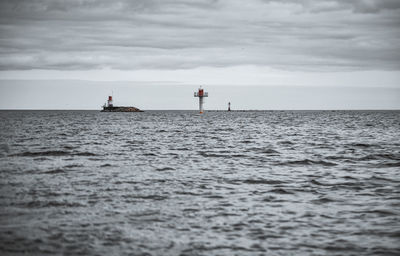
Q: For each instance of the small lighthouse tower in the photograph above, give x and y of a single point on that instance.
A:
(109, 102)
(201, 94)
(229, 106)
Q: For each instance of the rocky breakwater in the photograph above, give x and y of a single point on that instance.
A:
(121, 109)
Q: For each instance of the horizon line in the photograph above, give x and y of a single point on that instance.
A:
(212, 110)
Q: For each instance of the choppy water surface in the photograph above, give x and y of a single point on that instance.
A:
(180, 183)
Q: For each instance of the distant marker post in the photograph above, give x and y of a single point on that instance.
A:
(201, 94)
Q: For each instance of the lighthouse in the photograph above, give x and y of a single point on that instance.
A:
(110, 102)
(201, 94)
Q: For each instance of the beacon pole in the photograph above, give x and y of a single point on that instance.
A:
(201, 94)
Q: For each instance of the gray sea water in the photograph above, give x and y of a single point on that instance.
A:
(180, 183)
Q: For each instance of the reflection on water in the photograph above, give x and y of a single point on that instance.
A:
(180, 183)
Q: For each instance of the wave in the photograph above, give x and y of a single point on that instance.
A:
(69, 147)
(374, 177)
(55, 171)
(4, 148)
(380, 212)
(53, 153)
(308, 162)
(396, 164)
(380, 157)
(267, 151)
(146, 197)
(44, 153)
(43, 204)
(149, 154)
(136, 142)
(360, 145)
(165, 169)
(315, 182)
(73, 165)
(199, 248)
(84, 154)
(323, 200)
(145, 213)
(218, 154)
(262, 181)
(285, 142)
(280, 191)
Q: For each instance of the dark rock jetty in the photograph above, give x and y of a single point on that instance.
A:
(121, 109)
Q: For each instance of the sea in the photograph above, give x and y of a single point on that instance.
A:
(184, 183)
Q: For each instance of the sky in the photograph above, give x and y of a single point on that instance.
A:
(259, 54)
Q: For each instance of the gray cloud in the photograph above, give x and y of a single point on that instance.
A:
(357, 6)
(180, 34)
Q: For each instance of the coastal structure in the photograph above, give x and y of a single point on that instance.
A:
(229, 106)
(109, 107)
(201, 94)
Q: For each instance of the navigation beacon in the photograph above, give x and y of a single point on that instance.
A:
(201, 94)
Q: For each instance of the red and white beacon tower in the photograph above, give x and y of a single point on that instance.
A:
(109, 101)
(201, 94)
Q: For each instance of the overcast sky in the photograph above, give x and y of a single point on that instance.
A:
(331, 43)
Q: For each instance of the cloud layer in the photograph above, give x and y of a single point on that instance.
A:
(326, 35)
